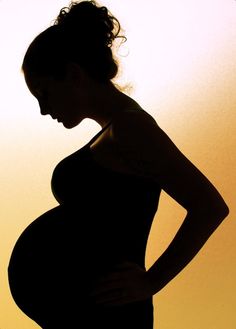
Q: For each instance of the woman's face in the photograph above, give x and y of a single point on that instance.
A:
(63, 99)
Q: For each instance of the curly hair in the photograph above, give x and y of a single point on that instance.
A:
(82, 33)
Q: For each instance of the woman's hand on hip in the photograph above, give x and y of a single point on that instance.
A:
(127, 283)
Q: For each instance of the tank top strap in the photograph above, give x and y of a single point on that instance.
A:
(98, 134)
(134, 108)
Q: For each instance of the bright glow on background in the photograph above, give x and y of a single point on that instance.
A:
(181, 63)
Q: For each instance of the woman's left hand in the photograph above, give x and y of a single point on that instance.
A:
(127, 283)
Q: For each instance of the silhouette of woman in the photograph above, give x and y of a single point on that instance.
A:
(82, 263)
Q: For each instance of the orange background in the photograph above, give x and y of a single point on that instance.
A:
(180, 58)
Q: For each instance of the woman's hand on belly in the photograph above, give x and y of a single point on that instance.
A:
(126, 283)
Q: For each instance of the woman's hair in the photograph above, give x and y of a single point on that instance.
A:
(82, 33)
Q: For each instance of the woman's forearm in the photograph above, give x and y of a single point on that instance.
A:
(197, 227)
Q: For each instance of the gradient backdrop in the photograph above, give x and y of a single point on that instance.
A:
(180, 59)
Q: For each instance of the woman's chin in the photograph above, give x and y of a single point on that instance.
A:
(68, 125)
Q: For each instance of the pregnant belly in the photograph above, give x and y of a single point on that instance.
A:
(53, 261)
(57, 260)
(44, 244)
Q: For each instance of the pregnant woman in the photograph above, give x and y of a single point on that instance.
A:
(82, 264)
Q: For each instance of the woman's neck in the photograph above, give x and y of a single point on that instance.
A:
(108, 101)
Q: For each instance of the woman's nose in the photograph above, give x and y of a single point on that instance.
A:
(43, 108)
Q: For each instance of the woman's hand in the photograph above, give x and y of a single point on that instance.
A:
(127, 283)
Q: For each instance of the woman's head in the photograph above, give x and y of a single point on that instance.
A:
(83, 33)
(67, 64)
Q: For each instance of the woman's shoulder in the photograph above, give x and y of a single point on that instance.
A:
(134, 113)
(132, 123)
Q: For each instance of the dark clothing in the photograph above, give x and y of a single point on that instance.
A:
(104, 218)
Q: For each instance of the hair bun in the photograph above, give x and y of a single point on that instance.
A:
(82, 33)
(90, 22)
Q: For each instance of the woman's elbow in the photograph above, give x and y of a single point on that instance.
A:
(210, 207)
(217, 210)
(223, 210)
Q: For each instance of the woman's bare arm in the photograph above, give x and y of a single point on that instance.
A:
(149, 152)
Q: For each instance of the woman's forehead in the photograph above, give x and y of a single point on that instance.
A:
(35, 82)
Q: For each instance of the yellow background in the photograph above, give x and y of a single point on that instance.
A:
(181, 61)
